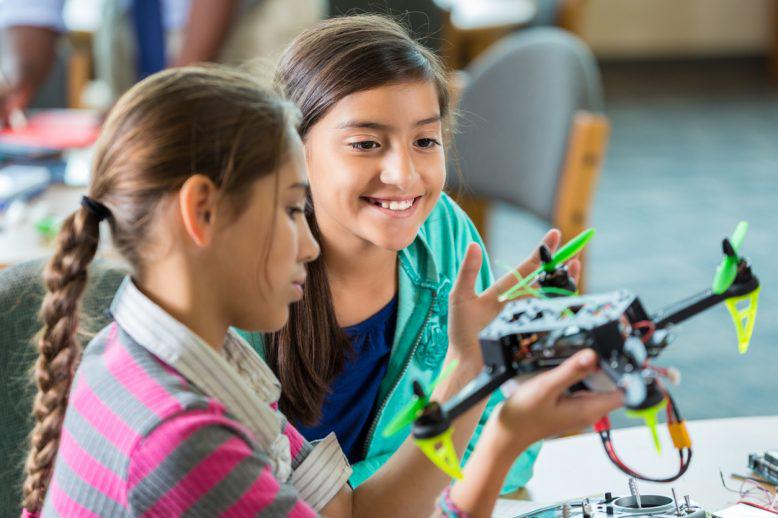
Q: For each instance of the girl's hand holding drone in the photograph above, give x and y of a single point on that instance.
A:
(469, 312)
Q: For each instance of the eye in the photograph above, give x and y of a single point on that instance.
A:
(365, 145)
(427, 143)
(295, 210)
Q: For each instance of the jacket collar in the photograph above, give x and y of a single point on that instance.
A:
(417, 263)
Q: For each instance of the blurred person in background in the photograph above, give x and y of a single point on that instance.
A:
(136, 38)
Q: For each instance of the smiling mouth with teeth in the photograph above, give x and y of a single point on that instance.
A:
(397, 205)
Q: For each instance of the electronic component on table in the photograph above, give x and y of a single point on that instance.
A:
(766, 465)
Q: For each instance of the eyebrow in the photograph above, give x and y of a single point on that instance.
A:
(378, 126)
(299, 185)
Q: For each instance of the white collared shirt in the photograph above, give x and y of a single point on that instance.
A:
(240, 380)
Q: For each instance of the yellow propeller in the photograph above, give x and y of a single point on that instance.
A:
(440, 450)
(651, 417)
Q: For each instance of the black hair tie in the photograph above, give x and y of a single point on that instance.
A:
(95, 207)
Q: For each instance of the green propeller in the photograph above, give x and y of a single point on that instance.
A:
(727, 270)
(550, 263)
(411, 411)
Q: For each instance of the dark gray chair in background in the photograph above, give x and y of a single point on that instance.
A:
(21, 294)
(566, 14)
(531, 132)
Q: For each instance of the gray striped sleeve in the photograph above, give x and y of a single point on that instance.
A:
(295, 436)
(162, 477)
(232, 487)
(83, 493)
(202, 466)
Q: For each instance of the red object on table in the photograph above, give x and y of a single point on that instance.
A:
(55, 129)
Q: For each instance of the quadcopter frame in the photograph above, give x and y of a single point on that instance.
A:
(533, 335)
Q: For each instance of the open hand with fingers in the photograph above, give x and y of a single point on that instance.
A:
(470, 312)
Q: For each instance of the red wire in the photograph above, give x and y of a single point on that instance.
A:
(643, 324)
(613, 456)
(603, 428)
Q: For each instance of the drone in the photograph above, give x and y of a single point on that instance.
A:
(537, 333)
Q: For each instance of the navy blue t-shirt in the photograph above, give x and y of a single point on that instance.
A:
(349, 407)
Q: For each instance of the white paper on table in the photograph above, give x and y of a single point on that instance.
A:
(505, 508)
(743, 511)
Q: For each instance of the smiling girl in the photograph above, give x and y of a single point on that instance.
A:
(374, 316)
(200, 175)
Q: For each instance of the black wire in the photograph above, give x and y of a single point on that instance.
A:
(611, 453)
(676, 412)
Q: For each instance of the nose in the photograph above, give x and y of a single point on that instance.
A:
(399, 170)
(309, 247)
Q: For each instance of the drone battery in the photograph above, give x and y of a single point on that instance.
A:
(495, 354)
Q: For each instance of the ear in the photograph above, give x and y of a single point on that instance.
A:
(197, 203)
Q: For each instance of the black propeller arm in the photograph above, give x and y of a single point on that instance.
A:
(745, 282)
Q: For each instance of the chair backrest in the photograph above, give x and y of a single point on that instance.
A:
(516, 114)
(21, 294)
(567, 14)
(547, 13)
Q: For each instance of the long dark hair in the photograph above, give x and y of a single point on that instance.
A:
(212, 121)
(326, 63)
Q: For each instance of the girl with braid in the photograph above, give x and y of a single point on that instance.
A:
(200, 175)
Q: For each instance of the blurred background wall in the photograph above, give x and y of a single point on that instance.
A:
(629, 29)
(691, 94)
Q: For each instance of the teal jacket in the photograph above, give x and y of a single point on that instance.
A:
(426, 273)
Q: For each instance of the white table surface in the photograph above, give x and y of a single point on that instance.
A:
(576, 467)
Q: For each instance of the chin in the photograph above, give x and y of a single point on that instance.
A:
(268, 322)
(395, 242)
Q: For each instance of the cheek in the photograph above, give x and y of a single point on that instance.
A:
(332, 164)
(440, 177)
(251, 255)
(283, 251)
(433, 172)
(340, 183)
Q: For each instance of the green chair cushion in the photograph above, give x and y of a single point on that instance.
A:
(21, 294)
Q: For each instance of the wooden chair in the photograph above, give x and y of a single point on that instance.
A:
(774, 54)
(80, 66)
(530, 131)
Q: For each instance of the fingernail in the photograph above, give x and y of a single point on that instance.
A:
(587, 358)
